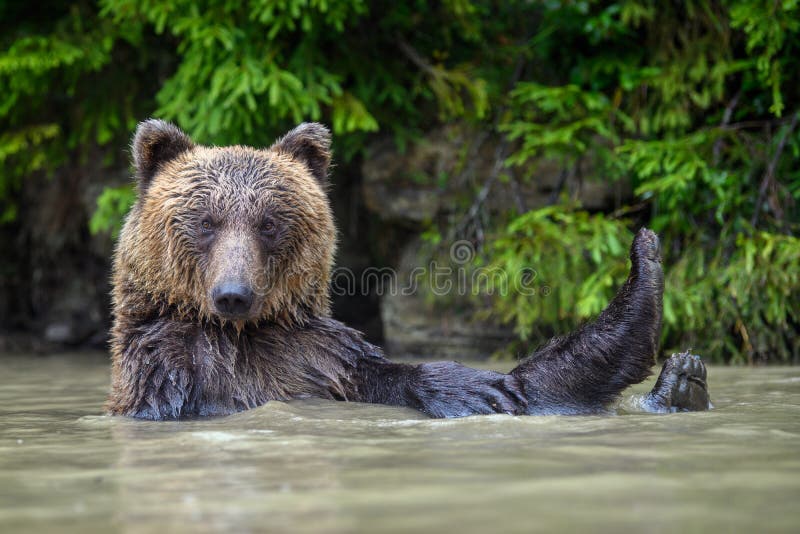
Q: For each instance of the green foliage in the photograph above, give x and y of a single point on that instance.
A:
(771, 33)
(557, 122)
(20, 152)
(690, 105)
(694, 119)
(111, 202)
(59, 100)
(746, 300)
(249, 69)
(227, 72)
(577, 260)
(242, 70)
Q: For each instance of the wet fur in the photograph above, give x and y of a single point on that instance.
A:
(173, 357)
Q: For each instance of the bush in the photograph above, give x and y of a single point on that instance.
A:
(692, 104)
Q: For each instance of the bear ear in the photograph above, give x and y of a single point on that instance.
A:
(310, 144)
(154, 144)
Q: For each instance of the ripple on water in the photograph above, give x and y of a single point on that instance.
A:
(318, 466)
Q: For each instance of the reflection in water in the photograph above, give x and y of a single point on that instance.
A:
(316, 466)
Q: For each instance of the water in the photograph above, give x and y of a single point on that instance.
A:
(315, 466)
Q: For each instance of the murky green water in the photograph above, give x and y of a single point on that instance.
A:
(317, 466)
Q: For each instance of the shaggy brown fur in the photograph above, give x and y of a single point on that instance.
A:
(221, 302)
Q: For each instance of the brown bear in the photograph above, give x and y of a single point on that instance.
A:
(221, 303)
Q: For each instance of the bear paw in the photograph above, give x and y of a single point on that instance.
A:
(449, 389)
(681, 386)
(646, 246)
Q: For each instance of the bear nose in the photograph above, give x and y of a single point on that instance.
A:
(233, 300)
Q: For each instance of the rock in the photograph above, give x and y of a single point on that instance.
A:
(433, 179)
(406, 205)
(435, 174)
(413, 327)
(56, 287)
(404, 187)
(61, 333)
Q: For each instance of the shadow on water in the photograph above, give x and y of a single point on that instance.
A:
(311, 466)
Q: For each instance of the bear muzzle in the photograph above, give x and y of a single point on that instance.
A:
(233, 300)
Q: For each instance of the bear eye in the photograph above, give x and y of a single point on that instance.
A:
(206, 226)
(268, 227)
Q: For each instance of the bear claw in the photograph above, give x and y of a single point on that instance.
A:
(681, 386)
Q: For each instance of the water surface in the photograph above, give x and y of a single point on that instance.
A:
(316, 466)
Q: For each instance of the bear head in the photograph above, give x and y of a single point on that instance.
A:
(230, 234)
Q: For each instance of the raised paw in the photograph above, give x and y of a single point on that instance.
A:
(681, 386)
(646, 246)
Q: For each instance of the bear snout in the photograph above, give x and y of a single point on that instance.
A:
(233, 300)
